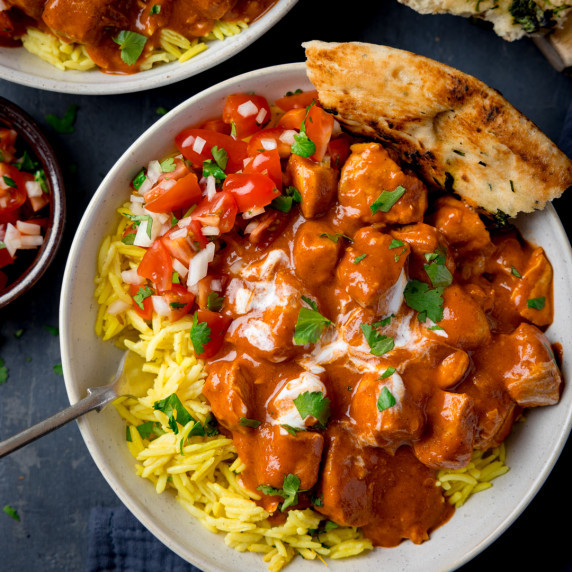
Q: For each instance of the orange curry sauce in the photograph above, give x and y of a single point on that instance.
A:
(456, 385)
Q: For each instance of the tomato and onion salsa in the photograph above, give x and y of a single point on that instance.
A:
(360, 331)
(24, 207)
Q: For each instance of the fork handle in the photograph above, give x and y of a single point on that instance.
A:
(96, 399)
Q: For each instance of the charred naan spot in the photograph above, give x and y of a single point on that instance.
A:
(492, 114)
(449, 182)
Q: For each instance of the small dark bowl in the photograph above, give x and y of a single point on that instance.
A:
(15, 118)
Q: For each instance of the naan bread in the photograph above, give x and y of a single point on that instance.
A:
(456, 132)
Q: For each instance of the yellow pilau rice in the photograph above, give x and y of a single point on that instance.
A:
(173, 47)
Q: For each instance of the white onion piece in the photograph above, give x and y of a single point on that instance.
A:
(199, 145)
(33, 189)
(154, 171)
(184, 222)
(137, 209)
(288, 136)
(211, 187)
(145, 187)
(142, 238)
(131, 277)
(28, 227)
(188, 141)
(180, 268)
(3, 6)
(261, 115)
(118, 306)
(216, 285)
(179, 233)
(246, 162)
(12, 239)
(199, 265)
(210, 231)
(253, 213)
(268, 144)
(29, 241)
(137, 199)
(247, 109)
(160, 305)
(251, 226)
(166, 184)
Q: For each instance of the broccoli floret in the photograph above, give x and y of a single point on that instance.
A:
(531, 16)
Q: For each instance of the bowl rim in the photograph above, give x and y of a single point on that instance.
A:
(508, 518)
(37, 142)
(158, 76)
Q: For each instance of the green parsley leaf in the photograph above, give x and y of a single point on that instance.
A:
(128, 437)
(175, 411)
(387, 373)
(26, 163)
(315, 404)
(2, 245)
(54, 331)
(211, 426)
(161, 110)
(384, 322)
(318, 500)
(143, 293)
(396, 243)
(3, 372)
(290, 486)
(310, 303)
(309, 326)
(220, 156)
(150, 429)
(155, 9)
(303, 145)
(233, 129)
(268, 490)
(253, 423)
(385, 400)
(387, 199)
(359, 258)
(58, 369)
(40, 177)
(536, 303)
(168, 165)
(177, 305)
(200, 335)
(439, 275)
(330, 525)
(131, 45)
(12, 512)
(129, 238)
(291, 430)
(335, 237)
(515, 272)
(211, 168)
(9, 181)
(139, 179)
(64, 124)
(435, 328)
(379, 344)
(175, 278)
(138, 219)
(214, 302)
(286, 201)
(429, 303)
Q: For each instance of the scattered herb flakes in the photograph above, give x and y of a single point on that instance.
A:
(53, 330)
(515, 272)
(378, 343)
(143, 293)
(214, 302)
(168, 165)
(9, 181)
(128, 437)
(64, 124)
(383, 322)
(385, 400)
(286, 201)
(387, 373)
(435, 328)
(289, 491)
(139, 179)
(359, 258)
(138, 219)
(396, 243)
(175, 279)
(26, 163)
(439, 275)
(313, 403)
(200, 335)
(11, 512)
(461, 153)
(150, 429)
(387, 199)
(220, 156)
(317, 500)
(335, 237)
(428, 302)
(330, 525)
(3, 372)
(131, 45)
(155, 9)
(292, 430)
(175, 411)
(253, 423)
(303, 145)
(536, 303)
(177, 305)
(161, 110)
(310, 324)
(58, 369)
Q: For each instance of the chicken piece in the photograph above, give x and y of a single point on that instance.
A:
(229, 393)
(368, 172)
(32, 8)
(214, 9)
(451, 426)
(463, 320)
(281, 454)
(389, 428)
(371, 271)
(315, 255)
(71, 19)
(318, 184)
(532, 294)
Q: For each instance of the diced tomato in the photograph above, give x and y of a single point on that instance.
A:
(218, 325)
(5, 258)
(3, 281)
(259, 141)
(217, 125)
(7, 147)
(223, 205)
(297, 100)
(178, 247)
(249, 113)
(184, 193)
(339, 150)
(12, 189)
(180, 301)
(147, 312)
(267, 163)
(318, 123)
(250, 190)
(271, 225)
(157, 266)
(209, 284)
(179, 171)
(196, 153)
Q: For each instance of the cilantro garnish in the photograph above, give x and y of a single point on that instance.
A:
(138, 219)
(233, 129)
(26, 163)
(177, 305)
(200, 335)
(58, 369)
(211, 168)
(335, 237)
(384, 322)
(214, 302)
(129, 238)
(378, 343)
(155, 9)
(387, 373)
(64, 124)
(168, 165)
(131, 45)
(310, 324)
(291, 430)
(3, 372)
(143, 293)
(9, 181)
(12, 512)
(170, 406)
(289, 491)
(315, 404)
(253, 423)
(396, 243)
(429, 303)
(40, 177)
(536, 303)
(139, 179)
(385, 400)
(387, 199)
(330, 525)
(54, 331)
(128, 437)
(515, 272)
(303, 145)
(220, 156)
(175, 278)
(359, 258)
(318, 500)
(150, 429)
(286, 201)
(438, 273)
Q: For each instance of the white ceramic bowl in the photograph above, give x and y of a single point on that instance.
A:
(533, 447)
(19, 66)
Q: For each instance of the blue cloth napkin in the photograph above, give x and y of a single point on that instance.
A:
(118, 542)
(565, 142)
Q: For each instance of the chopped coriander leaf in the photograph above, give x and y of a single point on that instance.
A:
(200, 335)
(168, 165)
(379, 344)
(291, 430)
(59, 369)
(268, 490)
(143, 293)
(161, 110)
(40, 177)
(310, 303)
(129, 238)
(54, 331)
(515, 272)
(439, 256)
(131, 45)
(385, 400)
(359, 258)
(170, 406)
(211, 168)
(155, 9)
(9, 181)
(335, 237)
(253, 423)
(315, 404)
(387, 373)
(289, 491)
(286, 201)
(429, 303)
(210, 425)
(439, 275)
(396, 243)
(26, 163)
(384, 322)
(214, 302)
(177, 305)
(303, 145)
(174, 220)
(220, 156)
(2, 245)
(536, 303)
(330, 525)
(12, 512)
(64, 124)
(150, 429)
(3, 372)
(138, 219)
(139, 179)
(387, 199)
(309, 326)
(318, 500)
(435, 328)
(233, 129)
(430, 256)
(128, 437)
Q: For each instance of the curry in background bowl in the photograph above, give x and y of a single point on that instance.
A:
(32, 202)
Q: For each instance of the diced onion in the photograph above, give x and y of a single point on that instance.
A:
(337, 129)
(28, 227)
(251, 226)
(118, 306)
(210, 230)
(142, 238)
(154, 171)
(166, 184)
(160, 305)
(131, 277)
(216, 285)
(179, 233)
(288, 137)
(180, 268)
(246, 162)
(253, 213)
(199, 265)
(137, 199)
(261, 115)
(184, 222)
(268, 144)
(199, 145)
(145, 187)
(247, 109)
(30, 241)
(33, 189)
(3, 6)
(12, 239)
(211, 187)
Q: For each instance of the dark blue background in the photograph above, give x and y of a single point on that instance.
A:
(53, 483)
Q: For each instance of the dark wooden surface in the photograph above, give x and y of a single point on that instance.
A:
(53, 483)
